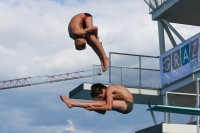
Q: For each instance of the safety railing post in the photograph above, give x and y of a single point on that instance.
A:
(109, 68)
(197, 98)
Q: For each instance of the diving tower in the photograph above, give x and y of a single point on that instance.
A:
(173, 65)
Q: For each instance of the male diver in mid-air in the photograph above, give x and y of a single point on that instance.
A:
(81, 30)
(113, 97)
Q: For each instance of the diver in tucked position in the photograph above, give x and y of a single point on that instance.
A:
(113, 97)
(81, 30)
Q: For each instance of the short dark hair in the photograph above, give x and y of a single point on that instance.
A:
(79, 45)
(96, 89)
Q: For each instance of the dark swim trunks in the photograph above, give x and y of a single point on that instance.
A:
(129, 107)
(128, 110)
(86, 15)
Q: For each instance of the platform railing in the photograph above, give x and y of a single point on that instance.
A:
(140, 71)
(131, 70)
(155, 4)
(130, 77)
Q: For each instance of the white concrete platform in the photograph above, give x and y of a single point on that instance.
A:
(170, 128)
(141, 96)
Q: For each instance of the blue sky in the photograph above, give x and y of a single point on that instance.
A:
(34, 42)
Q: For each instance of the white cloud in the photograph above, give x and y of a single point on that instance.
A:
(21, 70)
(6, 52)
(20, 122)
(59, 129)
(64, 60)
(70, 128)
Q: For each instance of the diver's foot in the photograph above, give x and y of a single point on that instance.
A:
(105, 64)
(66, 100)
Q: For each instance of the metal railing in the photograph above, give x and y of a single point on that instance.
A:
(130, 70)
(155, 4)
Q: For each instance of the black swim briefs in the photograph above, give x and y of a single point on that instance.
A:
(128, 110)
(129, 107)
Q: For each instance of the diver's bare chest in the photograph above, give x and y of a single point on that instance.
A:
(118, 97)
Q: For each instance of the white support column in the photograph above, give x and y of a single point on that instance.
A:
(197, 91)
(164, 103)
(192, 116)
(167, 115)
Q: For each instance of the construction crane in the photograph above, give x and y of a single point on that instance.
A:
(29, 81)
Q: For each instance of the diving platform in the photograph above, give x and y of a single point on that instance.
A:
(179, 78)
(145, 95)
(178, 11)
(175, 109)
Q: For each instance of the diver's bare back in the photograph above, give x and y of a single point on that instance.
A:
(76, 24)
(121, 93)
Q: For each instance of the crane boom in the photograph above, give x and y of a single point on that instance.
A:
(29, 81)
